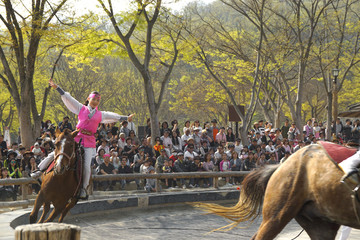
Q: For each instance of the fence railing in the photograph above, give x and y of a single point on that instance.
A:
(24, 182)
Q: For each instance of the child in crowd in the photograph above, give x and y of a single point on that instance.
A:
(150, 182)
(6, 191)
(225, 167)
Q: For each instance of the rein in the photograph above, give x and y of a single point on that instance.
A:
(355, 200)
(67, 167)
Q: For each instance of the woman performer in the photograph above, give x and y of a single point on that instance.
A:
(89, 119)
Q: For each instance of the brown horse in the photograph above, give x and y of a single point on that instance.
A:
(306, 187)
(59, 187)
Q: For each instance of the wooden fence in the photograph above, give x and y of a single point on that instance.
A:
(24, 182)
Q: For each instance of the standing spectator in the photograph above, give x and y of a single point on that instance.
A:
(131, 126)
(285, 128)
(355, 133)
(308, 128)
(65, 124)
(164, 128)
(3, 147)
(220, 136)
(6, 191)
(347, 130)
(230, 137)
(316, 130)
(148, 128)
(37, 152)
(337, 128)
(107, 168)
(148, 150)
(160, 161)
(167, 169)
(261, 127)
(175, 128)
(293, 132)
(197, 137)
(195, 125)
(124, 128)
(214, 131)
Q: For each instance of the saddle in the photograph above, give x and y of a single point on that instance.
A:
(337, 152)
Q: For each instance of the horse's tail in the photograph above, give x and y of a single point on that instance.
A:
(251, 198)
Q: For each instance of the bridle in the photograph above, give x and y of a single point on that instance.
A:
(67, 167)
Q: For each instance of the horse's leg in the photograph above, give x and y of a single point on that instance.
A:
(57, 210)
(38, 202)
(45, 212)
(317, 228)
(70, 205)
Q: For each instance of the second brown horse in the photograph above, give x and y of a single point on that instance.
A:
(306, 187)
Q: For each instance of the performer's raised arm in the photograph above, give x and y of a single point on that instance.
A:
(110, 117)
(71, 103)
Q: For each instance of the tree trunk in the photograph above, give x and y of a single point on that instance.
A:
(27, 134)
(329, 115)
(334, 103)
(244, 135)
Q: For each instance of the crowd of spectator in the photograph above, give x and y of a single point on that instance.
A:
(189, 148)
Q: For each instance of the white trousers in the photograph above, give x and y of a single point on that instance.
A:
(350, 164)
(88, 155)
(344, 232)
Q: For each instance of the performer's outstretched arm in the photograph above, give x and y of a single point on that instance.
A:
(71, 103)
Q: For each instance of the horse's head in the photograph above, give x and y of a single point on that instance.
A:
(64, 151)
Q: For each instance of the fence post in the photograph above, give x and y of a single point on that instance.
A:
(216, 182)
(47, 231)
(158, 185)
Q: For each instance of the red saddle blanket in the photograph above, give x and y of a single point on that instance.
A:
(337, 152)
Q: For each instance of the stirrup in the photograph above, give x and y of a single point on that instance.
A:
(83, 194)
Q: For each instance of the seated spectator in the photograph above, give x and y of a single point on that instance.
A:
(167, 169)
(225, 167)
(231, 149)
(204, 148)
(114, 129)
(180, 166)
(151, 182)
(250, 162)
(238, 146)
(134, 138)
(139, 159)
(122, 141)
(6, 191)
(164, 128)
(109, 137)
(14, 172)
(144, 167)
(176, 142)
(114, 159)
(190, 154)
(104, 145)
(158, 147)
(195, 166)
(32, 167)
(160, 161)
(272, 159)
(261, 161)
(130, 151)
(100, 157)
(220, 136)
(166, 139)
(185, 137)
(114, 145)
(124, 169)
(287, 155)
(107, 168)
(197, 137)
